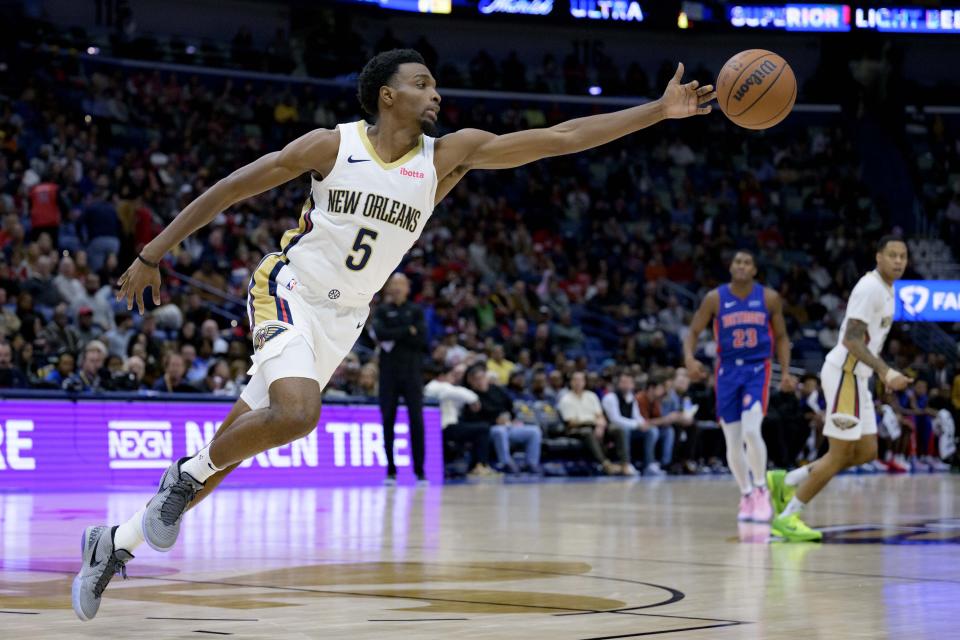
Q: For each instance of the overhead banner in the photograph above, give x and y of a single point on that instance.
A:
(843, 17)
(93, 445)
(927, 301)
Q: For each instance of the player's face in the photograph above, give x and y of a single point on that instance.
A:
(892, 261)
(416, 96)
(743, 269)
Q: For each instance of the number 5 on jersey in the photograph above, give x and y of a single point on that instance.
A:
(355, 261)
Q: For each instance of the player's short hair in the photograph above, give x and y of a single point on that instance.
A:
(378, 72)
(746, 252)
(887, 239)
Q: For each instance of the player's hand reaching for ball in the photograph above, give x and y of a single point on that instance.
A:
(135, 280)
(695, 369)
(685, 100)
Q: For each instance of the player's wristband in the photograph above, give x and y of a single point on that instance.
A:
(152, 265)
(890, 375)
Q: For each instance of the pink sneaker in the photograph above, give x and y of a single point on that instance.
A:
(745, 514)
(762, 510)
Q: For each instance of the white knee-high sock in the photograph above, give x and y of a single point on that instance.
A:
(736, 459)
(200, 466)
(798, 475)
(756, 447)
(129, 535)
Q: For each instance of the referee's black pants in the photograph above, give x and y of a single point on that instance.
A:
(409, 386)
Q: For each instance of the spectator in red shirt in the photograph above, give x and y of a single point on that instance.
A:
(45, 209)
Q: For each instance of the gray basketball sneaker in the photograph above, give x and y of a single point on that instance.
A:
(161, 519)
(100, 563)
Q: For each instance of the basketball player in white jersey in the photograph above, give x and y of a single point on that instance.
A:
(373, 189)
(851, 422)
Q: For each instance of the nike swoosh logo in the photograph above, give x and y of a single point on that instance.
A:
(727, 305)
(359, 325)
(352, 160)
(93, 556)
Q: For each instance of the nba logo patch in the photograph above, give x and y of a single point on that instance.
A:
(747, 400)
(292, 284)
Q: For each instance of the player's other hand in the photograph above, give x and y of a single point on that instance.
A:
(685, 100)
(135, 280)
(788, 383)
(696, 370)
(896, 380)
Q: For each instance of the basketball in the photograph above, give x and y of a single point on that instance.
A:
(756, 89)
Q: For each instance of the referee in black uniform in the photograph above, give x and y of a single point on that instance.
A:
(401, 330)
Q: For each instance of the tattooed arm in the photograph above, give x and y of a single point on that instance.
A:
(855, 340)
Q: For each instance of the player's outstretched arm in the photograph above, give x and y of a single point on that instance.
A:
(709, 307)
(315, 151)
(775, 305)
(469, 149)
(855, 341)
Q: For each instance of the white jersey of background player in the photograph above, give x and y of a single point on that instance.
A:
(851, 422)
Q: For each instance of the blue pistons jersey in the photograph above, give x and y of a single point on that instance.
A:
(744, 337)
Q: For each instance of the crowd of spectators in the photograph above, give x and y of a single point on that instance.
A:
(577, 273)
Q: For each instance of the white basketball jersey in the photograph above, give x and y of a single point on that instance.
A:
(871, 302)
(360, 220)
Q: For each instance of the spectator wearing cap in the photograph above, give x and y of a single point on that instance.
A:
(88, 378)
(11, 377)
(98, 298)
(86, 329)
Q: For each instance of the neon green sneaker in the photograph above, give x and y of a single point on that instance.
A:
(780, 491)
(792, 529)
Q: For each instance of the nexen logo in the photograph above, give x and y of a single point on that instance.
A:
(140, 444)
(412, 174)
(915, 298)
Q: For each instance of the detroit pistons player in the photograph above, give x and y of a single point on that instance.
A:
(748, 320)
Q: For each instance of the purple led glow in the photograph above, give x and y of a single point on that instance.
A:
(93, 445)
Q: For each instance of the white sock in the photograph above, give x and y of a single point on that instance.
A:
(798, 475)
(129, 535)
(200, 466)
(736, 459)
(756, 448)
(794, 506)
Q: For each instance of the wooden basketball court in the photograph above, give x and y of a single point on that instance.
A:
(560, 560)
